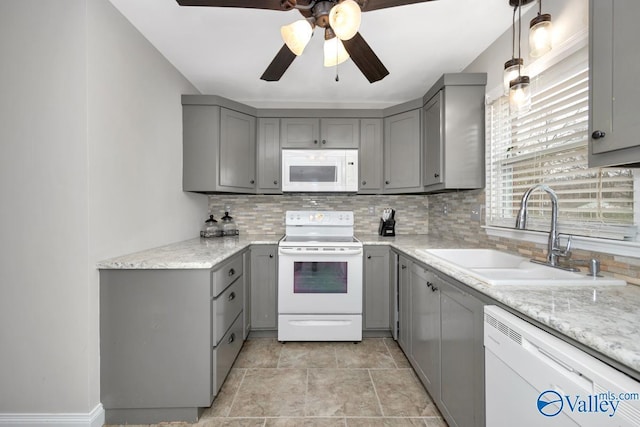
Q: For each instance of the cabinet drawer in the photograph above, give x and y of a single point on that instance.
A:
(224, 275)
(223, 356)
(225, 308)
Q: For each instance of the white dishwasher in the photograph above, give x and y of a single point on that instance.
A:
(534, 379)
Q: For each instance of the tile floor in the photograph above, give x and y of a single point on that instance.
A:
(320, 385)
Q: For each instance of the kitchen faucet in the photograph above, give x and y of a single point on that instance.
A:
(554, 250)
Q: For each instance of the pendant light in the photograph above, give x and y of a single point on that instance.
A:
(344, 19)
(540, 32)
(520, 87)
(512, 67)
(297, 35)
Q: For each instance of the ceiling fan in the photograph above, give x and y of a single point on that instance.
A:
(340, 20)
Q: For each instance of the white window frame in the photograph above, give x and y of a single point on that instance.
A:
(614, 247)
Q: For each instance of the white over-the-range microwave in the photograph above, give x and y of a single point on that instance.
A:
(327, 170)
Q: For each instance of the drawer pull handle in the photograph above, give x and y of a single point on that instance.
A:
(232, 272)
(231, 339)
(232, 296)
(404, 267)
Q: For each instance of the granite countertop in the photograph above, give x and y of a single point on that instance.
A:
(605, 319)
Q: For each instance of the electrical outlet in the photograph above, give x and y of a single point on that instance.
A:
(372, 210)
(476, 213)
(445, 209)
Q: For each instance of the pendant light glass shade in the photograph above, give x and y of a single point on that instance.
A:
(334, 52)
(540, 31)
(297, 35)
(519, 95)
(344, 19)
(512, 69)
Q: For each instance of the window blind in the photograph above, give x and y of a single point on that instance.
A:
(549, 144)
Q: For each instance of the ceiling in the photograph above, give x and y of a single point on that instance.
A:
(224, 51)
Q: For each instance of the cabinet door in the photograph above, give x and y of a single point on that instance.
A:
(462, 365)
(269, 156)
(237, 150)
(264, 287)
(299, 133)
(433, 140)
(425, 328)
(376, 288)
(200, 142)
(246, 278)
(370, 156)
(339, 133)
(404, 304)
(614, 63)
(402, 153)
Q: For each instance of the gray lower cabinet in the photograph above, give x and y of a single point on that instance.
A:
(403, 153)
(370, 153)
(268, 161)
(264, 287)
(404, 303)
(453, 129)
(377, 290)
(425, 328)
(219, 150)
(168, 339)
(614, 62)
(246, 280)
(462, 357)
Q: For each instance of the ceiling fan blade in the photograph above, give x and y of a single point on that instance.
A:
(365, 59)
(368, 5)
(279, 65)
(249, 4)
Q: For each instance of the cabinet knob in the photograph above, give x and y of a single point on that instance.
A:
(270, 255)
(315, 141)
(433, 288)
(364, 182)
(253, 181)
(387, 182)
(436, 175)
(232, 296)
(231, 339)
(429, 284)
(324, 141)
(404, 267)
(232, 272)
(275, 182)
(368, 256)
(597, 134)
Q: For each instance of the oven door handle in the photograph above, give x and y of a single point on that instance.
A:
(292, 251)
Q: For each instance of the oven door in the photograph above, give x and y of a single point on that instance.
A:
(320, 280)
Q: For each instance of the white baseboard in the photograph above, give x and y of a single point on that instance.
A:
(95, 418)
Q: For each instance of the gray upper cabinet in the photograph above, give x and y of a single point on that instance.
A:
(319, 133)
(403, 153)
(219, 149)
(614, 64)
(453, 129)
(377, 290)
(268, 161)
(371, 151)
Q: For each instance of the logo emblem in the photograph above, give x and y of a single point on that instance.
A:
(550, 403)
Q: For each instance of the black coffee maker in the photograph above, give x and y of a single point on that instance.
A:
(387, 223)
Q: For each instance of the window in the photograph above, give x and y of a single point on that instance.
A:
(549, 144)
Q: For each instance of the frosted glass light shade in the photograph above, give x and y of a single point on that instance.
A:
(334, 52)
(512, 69)
(520, 95)
(297, 35)
(344, 19)
(540, 32)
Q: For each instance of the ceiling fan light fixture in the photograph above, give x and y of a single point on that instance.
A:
(334, 52)
(344, 19)
(297, 35)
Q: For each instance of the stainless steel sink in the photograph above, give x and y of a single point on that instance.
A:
(503, 269)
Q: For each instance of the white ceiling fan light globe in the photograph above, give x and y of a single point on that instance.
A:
(344, 19)
(297, 35)
(334, 52)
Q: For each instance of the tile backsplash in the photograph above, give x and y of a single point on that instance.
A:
(264, 214)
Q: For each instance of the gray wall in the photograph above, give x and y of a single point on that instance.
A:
(90, 155)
